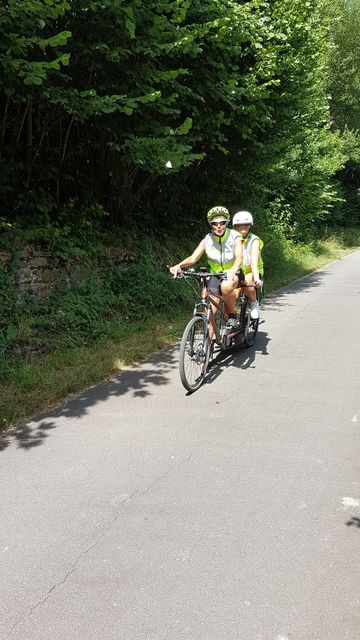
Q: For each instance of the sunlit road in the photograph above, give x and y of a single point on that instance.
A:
(136, 512)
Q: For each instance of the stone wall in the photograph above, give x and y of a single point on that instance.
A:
(38, 271)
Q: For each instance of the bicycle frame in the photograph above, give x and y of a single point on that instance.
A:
(206, 307)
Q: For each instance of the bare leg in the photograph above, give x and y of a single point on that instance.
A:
(249, 291)
(228, 292)
(214, 310)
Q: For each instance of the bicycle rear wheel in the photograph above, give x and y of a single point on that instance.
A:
(251, 330)
(260, 291)
(194, 353)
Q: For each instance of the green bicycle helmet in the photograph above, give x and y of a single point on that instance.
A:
(214, 212)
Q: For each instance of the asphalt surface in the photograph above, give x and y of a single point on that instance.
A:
(138, 512)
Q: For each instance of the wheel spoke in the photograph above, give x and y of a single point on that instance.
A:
(194, 353)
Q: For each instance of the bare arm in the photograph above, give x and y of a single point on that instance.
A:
(238, 252)
(190, 260)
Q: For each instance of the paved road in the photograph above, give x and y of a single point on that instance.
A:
(140, 513)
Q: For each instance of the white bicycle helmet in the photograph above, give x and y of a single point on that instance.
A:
(242, 217)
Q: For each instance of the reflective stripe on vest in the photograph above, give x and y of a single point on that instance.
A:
(220, 251)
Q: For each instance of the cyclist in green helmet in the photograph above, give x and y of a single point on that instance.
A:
(224, 252)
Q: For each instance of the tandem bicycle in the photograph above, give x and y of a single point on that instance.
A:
(207, 329)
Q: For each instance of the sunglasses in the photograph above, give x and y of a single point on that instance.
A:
(218, 224)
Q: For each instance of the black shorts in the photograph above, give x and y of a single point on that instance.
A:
(214, 285)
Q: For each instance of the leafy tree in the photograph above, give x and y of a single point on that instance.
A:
(344, 89)
(31, 56)
(167, 106)
(280, 148)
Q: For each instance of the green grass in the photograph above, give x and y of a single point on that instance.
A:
(35, 384)
(286, 261)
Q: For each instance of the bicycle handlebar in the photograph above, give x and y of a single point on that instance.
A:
(206, 274)
(200, 274)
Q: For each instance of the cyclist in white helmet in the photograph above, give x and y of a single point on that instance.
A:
(252, 264)
(223, 248)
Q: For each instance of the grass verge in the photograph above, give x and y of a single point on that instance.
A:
(34, 385)
(287, 261)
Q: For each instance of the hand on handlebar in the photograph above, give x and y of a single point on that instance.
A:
(175, 270)
(257, 283)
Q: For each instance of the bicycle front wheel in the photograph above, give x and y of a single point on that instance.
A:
(194, 353)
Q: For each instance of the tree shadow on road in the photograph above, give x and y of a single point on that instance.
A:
(354, 522)
(27, 436)
(140, 381)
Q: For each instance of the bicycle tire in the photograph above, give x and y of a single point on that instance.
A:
(251, 330)
(194, 353)
(260, 292)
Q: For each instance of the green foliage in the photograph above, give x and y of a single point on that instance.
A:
(26, 57)
(344, 89)
(344, 63)
(75, 230)
(10, 319)
(145, 106)
(9, 312)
